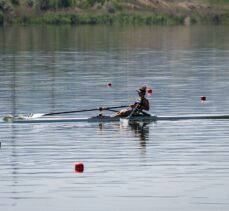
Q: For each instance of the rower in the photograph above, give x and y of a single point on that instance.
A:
(141, 104)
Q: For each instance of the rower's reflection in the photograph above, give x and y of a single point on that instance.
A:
(141, 131)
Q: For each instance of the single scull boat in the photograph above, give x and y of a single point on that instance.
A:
(111, 119)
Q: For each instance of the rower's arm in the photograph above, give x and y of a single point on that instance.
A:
(145, 105)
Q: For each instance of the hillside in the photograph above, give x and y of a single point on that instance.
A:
(114, 11)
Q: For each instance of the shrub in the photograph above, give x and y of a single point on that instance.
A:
(67, 3)
(55, 4)
(117, 4)
(5, 6)
(44, 4)
(15, 2)
(30, 3)
(218, 1)
(109, 7)
(57, 19)
(1, 18)
(88, 3)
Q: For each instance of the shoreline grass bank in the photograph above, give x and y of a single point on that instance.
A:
(113, 12)
(60, 18)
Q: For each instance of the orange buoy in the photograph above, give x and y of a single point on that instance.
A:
(79, 167)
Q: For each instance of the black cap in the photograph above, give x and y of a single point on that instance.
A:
(142, 89)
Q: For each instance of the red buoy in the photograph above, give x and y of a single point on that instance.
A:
(203, 98)
(109, 85)
(150, 91)
(79, 167)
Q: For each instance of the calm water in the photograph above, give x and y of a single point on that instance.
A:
(179, 165)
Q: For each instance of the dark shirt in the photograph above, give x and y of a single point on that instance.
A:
(143, 104)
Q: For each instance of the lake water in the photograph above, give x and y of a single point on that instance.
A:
(170, 165)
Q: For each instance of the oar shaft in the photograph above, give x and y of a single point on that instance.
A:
(68, 112)
(114, 107)
(84, 110)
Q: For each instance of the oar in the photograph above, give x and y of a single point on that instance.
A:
(125, 120)
(75, 111)
(132, 112)
(145, 113)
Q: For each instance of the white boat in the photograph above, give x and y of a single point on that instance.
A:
(141, 118)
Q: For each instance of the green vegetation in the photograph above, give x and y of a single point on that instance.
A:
(5, 6)
(220, 19)
(113, 12)
(1, 18)
(218, 1)
(57, 4)
(121, 19)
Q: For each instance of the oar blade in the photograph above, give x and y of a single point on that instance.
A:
(30, 116)
(7, 119)
(36, 115)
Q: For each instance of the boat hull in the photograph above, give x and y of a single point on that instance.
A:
(115, 119)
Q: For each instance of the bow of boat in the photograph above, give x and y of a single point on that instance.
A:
(192, 117)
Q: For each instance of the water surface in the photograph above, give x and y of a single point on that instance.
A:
(178, 165)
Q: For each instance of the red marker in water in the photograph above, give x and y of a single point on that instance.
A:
(203, 98)
(149, 91)
(79, 167)
(109, 85)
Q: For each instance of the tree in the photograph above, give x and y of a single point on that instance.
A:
(5, 6)
(67, 3)
(15, 2)
(44, 4)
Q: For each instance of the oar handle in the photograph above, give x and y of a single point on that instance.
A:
(133, 110)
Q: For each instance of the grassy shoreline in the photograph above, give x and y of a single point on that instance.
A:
(82, 19)
(115, 12)
(120, 19)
